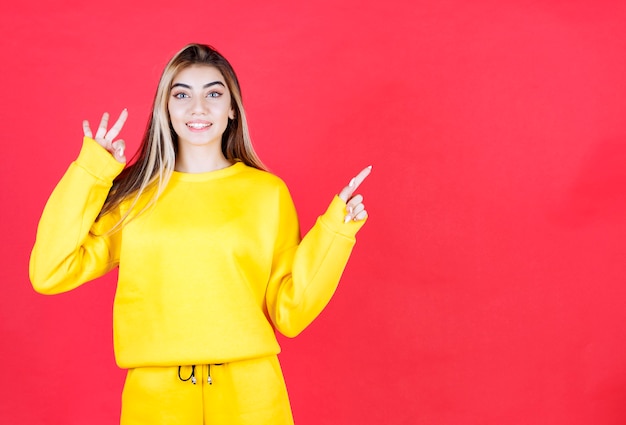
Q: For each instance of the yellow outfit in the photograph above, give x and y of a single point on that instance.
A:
(205, 275)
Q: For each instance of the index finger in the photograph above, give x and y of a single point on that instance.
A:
(117, 127)
(347, 192)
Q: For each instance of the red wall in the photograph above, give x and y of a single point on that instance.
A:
(488, 286)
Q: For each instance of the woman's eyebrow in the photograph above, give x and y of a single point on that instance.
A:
(207, 85)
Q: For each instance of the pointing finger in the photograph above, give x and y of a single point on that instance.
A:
(102, 128)
(347, 192)
(117, 127)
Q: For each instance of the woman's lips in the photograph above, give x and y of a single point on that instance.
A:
(198, 126)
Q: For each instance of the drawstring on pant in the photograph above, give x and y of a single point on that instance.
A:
(192, 377)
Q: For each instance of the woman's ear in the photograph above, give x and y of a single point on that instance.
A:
(231, 113)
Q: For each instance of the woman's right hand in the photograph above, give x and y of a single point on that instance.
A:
(106, 138)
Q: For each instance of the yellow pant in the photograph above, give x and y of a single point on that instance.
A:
(241, 393)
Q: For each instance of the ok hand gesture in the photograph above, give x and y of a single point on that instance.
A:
(354, 203)
(106, 139)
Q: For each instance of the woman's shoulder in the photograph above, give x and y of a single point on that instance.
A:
(263, 177)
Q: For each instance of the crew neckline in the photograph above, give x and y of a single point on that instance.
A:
(209, 175)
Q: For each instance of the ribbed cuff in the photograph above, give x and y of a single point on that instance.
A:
(334, 218)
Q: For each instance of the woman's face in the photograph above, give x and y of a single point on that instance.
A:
(199, 106)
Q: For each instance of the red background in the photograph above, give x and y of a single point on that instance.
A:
(488, 286)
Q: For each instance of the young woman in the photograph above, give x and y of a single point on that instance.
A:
(208, 247)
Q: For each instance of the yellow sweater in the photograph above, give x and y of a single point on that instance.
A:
(207, 274)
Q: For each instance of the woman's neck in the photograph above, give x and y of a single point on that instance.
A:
(200, 160)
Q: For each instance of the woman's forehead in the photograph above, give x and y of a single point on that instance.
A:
(200, 74)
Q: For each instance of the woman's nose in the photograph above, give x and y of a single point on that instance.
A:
(198, 105)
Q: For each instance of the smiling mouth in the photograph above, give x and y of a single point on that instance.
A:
(198, 125)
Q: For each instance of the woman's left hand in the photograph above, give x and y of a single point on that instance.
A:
(354, 203)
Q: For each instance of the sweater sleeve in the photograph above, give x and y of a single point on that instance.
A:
(71, 248)
(305, 275)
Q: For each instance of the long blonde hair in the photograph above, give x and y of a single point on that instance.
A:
(154, 163)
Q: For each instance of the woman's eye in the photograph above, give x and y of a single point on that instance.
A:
(214, 94)
(180, 95)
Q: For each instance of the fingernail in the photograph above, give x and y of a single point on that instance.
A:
(347, 219)
(370, 167)
(352, 182)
